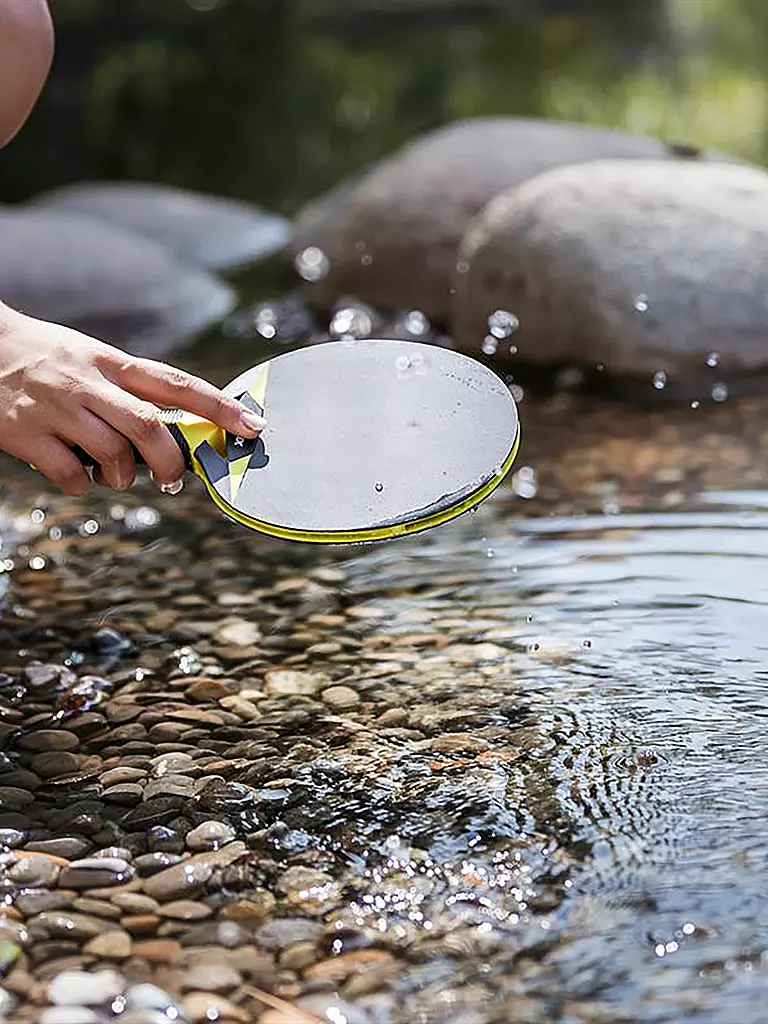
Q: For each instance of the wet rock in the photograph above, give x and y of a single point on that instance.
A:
(284, 932)
(35, 870)
(647, 268)
(118, 776)
(212, 977)
(68, 847)
(185, 910)
(341, 697)
(49, 739)
(63, 924)
(112, 945)
(181, 880)
(70, 1015)
(96, 873)
(204, 1006)
(391, 238)
(210, 836)
(202, 230)
(104, 281)
(77, 988)
(55, 763)
(291, 683)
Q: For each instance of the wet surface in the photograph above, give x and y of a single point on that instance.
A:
(510, 770)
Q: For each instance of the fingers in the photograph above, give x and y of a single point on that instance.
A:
(111, 451)
(140, 423)
(167, 386)
(56, 461)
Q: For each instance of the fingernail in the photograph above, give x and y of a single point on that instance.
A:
(252, 420)
(173, 488)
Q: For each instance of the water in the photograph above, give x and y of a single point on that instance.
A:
(638, 647)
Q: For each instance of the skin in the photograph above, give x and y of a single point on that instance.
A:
(59, 388)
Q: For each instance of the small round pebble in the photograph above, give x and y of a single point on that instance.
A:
(77, 988)
(210, 836)
(341, 697)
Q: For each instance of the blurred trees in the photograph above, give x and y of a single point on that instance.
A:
(275, 100)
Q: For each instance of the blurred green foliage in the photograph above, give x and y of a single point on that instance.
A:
(276, 100)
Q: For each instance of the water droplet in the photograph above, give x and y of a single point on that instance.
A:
(366, 259)
(660, 380)
(490, 345)
(529, 618)
(37, 516)
(517, 393)
(352, 322)
(88, 528)
(416, 323)
(462, 267)
(720, 392)
(55, 533)
(525, 483)
(641, 303)
(360, 245)
(502, 323)
(713, 359)
(379, 487)
(312, 264)
(513, 350)
(37, 562)
(499, 471)
(489, 553)
(610, 508)
(695, 404)
(600, 367)
(173, 488)
(402, 365)
(532, 648)
(587, 644)
(142, 518)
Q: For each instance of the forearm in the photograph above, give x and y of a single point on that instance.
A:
(26, 51)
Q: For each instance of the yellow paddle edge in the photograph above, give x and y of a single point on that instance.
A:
(195, 431)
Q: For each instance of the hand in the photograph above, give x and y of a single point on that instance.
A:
(59, 388)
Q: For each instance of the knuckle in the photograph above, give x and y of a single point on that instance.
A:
(112, 450)
(178, 380)
(147, 425)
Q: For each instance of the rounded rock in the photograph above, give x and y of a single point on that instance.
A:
(78, 988)
(391, 237)
(104, 281)
(210, 835)
(643, 267)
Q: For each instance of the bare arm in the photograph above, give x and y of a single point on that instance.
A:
(26, 51)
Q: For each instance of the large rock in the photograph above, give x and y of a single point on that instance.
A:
(646, 268)
(206, 231)
(104, 281)
(392, 235)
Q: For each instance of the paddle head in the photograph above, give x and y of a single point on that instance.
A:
(366, 440)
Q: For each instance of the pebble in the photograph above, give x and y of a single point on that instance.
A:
(96, 873)
(112, 945)
(151, 863)
(204, 1007)
(169, 785)
(135, 902)
(70, 1015)
(38, 870)
(49, 739)
(66, 924)
(10, 838)
(118, 776)
(160, 951)
(185, 910)
(210, 835)
(290, 683)
(68, 847)
(54, 763)
(12, 798)
(212, 977)
(283, 932)
(179, 881)
(77, 988)
(238, 632)
(341, 697)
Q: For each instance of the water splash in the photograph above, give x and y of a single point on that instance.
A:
(660, 380)
(502, 323)
(312, 264)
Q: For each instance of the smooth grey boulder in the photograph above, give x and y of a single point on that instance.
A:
(104, 281)
(644, 268)
(205, 231)
(392, 235)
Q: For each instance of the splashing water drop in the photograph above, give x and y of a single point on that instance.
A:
(587, 644)
(641, 303)
(517, 393)
(379, 487)
(352, 322)
(366, 259)
(660, 380)
(502, 323)
(462, 267)
(525, 483)
(416, 323)
(402, 365)
(490, 345)
(713, 359)
(695, 404)
(532, 648)
(312, 264)
(719, 392)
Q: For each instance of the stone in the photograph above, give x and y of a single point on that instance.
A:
(299, 879)
(341, 697)
(291, 683)
(212, 977)
(70, 1015)
(203, 1007)
(118, 776)
(96, 873)
(644, 267)
(78, 988)
(340, 968)
(181, 880)
(104, 281)
(68, 847)
(149, 997)
(391, 237)
(185, 910)
(283, 932)
(54, 763)
(38, 870)
(159, 951)
(49, 739)
(210, 835)
(111, 945)
(238, 633)
(202, 230)
(67, 925)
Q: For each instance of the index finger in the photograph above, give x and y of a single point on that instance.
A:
(166, 385)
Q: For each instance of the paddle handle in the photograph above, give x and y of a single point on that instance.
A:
(167, 416)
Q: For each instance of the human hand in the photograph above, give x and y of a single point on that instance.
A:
(59, 388)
